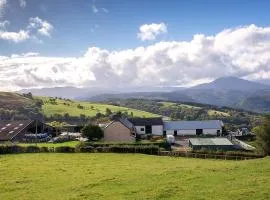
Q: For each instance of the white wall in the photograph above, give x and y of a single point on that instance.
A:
(138, 129)
(193, 132)
(157, 130)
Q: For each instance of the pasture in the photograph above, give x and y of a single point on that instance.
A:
(77, 108)
(130, 176)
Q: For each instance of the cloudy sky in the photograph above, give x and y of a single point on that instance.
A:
(122, 43)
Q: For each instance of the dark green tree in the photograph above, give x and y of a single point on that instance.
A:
(263, 136)
(108, 112)
(92, 132)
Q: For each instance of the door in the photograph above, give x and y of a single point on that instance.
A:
(148, 129)
(199, 131)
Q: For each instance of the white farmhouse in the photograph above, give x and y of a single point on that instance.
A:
(152, 126)
(188, 128)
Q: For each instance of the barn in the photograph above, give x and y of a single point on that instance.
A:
(189, 128)
(218, 143)
(153, 126)
(120, 130)
(25, 131)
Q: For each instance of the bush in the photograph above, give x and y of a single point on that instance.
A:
(32, 149)
(11, 149)
(87, 149)
(92, 132)
(64, 149)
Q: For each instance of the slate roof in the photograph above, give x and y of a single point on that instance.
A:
(146, 121)
(124, 121)
(9, 129)
(210, 142)
(191, 125)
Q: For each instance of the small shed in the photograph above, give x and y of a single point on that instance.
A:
(211, 144)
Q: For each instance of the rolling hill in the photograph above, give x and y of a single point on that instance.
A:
(20, 106)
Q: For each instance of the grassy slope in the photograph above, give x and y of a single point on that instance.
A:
(12, 101)
(72, 109)
(210, 112)
(111, 176)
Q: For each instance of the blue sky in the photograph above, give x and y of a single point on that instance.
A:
(84, 43)
(76, 26)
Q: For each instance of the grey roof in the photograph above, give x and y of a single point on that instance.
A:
(191, 125)
(124, 121)
(146, 121)
(210, 141)
(9, 129)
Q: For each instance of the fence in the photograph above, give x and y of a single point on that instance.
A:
(204, 156)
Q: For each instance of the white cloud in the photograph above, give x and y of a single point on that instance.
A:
(94, 9)
(36, 26)
(151, 31)
(3, 4)
(4, 24)
(105, 10)
(43, 27)
(22, 3)
(241, 52)
(14, 36)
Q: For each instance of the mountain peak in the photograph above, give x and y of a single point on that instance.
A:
(232, 83)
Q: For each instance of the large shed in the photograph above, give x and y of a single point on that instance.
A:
(22, 130)
(187, 128)
(211, 143)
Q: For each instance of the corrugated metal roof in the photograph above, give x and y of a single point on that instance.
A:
(9, 129)
(191, 125)
(209, 141)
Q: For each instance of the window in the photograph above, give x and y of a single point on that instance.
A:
(142, 129)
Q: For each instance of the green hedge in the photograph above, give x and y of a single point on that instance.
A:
(230, 153)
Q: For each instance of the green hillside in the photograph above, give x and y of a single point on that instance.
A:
(77, 108)
(112, 176)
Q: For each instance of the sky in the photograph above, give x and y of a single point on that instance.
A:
(124, 43)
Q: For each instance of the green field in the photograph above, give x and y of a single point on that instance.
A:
(88, 109)
(47, 144)
(130, 176)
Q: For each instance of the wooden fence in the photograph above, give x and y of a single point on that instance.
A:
(204, 156)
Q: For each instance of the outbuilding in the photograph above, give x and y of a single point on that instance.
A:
(25, 131)
(120, 130)
(189, 128)
(217, 143)
(153, 126)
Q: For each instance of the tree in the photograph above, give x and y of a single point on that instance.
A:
(92, 132)
(263, 136)
(108, 112)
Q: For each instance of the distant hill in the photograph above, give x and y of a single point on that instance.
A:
(227, 91)
(232, 83)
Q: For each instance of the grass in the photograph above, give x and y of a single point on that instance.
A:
(112, 176)
(218, 113)
(70, 144)
(88, 108)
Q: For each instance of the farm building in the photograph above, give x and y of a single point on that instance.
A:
(24, 130)
(152, 126)
(119, 130)
(188, 128)
(211, 143)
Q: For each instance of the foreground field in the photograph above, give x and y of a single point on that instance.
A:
(128, 176)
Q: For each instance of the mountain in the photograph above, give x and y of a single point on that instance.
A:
(64, 92)
(232, 83)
